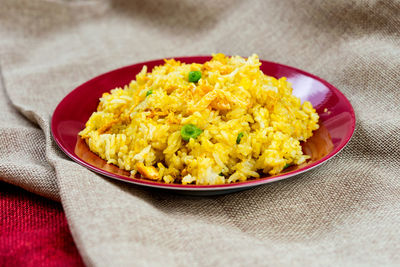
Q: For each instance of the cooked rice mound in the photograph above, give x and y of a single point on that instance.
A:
(250, 123)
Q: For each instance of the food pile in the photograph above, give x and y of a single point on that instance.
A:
(223, 121)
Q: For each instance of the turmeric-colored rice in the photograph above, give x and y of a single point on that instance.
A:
(250, 123)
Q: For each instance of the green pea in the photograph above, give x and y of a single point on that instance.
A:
(190, 131)
(149, 92)
(194, 76)
(287, 166)
(239, 137)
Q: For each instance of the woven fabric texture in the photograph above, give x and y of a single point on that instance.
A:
(344, 213)
(34, 231)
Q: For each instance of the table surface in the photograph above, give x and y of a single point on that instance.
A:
(34, 231)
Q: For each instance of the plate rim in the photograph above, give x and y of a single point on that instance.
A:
(191, 187)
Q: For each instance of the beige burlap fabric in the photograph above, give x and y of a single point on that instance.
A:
(345, 213)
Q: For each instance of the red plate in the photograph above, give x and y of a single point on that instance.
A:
(337, 121)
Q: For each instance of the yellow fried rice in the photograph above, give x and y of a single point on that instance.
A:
(250, 123)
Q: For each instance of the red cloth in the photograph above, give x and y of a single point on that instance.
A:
(33, 231)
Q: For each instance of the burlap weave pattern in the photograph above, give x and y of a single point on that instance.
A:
(346, 212)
